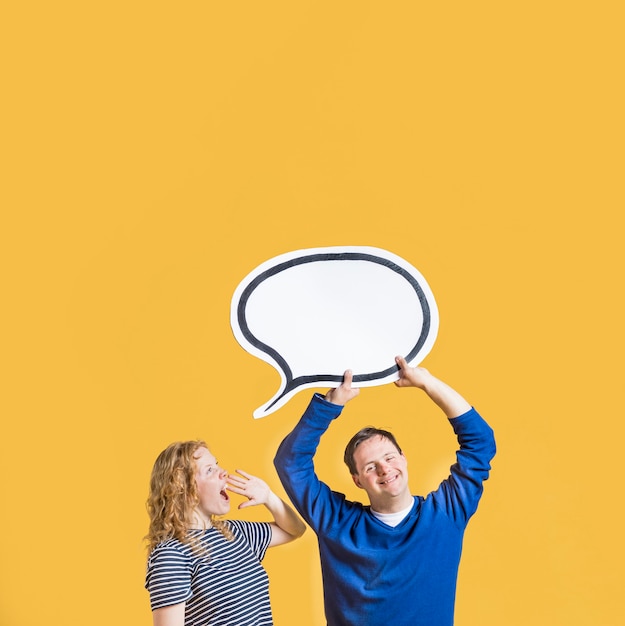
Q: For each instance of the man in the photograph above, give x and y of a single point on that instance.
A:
(396, 560)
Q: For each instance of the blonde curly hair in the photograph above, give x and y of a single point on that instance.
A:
(173, 495)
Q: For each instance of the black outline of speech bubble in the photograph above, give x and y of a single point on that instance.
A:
(294, 383)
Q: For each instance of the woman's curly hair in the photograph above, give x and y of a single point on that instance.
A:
(174, 497)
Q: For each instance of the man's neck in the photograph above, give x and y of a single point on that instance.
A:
(393, 505)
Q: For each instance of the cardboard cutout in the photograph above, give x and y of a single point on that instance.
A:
(314, 313)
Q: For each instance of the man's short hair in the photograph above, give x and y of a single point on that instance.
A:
(363, 435)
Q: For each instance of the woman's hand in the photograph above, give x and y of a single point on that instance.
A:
(286, 526)
(251, 487)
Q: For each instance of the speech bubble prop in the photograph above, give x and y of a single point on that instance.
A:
(314, 313)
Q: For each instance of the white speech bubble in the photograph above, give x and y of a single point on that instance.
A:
(314, 313)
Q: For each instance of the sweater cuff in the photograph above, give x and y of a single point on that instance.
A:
(322, 408)
(466, 415)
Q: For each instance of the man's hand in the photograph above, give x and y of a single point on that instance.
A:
(411, 376)
(449, 400)
(343, 393)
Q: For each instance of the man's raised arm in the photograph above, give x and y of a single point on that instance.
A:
(448, 399)
(294, 458)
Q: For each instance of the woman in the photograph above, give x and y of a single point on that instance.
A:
(203, 571)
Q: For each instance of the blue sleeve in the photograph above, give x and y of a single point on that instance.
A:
(460, 493)
(312, 498)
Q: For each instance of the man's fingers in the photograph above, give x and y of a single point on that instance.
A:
(347, 378)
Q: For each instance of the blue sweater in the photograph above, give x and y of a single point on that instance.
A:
(374, 573)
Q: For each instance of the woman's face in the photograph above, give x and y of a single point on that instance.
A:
(211, 483)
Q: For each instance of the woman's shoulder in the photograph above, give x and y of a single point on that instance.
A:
(175, 549)
(168, 547)
(244, 526)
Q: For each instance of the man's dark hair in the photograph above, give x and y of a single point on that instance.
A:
(363, 435)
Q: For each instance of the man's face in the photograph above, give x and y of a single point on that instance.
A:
(382, 471)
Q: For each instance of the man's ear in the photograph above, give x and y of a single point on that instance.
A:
(356, 481)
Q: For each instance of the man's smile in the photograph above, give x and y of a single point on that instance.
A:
(389, 480)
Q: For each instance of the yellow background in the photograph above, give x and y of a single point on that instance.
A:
(155, 153)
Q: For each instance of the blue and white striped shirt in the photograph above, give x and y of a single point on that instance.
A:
(225, 585)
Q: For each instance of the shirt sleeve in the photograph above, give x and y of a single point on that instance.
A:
(168, 577)
(256, 534)
(460, 493)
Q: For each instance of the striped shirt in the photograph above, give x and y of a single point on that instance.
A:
(224, 586)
